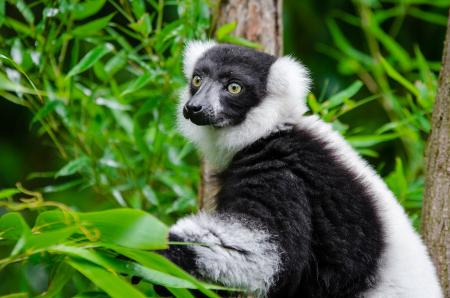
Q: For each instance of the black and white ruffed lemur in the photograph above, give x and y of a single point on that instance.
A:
(298, 213)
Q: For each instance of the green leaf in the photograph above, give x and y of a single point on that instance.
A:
(150, 195)
(92, 294)
(344, 45)
(2, 11)
(74, 166)
(225, 29)
(12, 98)
(109, 282)
(116, 63)
(347, 93)
(367, 152)
(137, 84)
(85, 254)
(58, 280)
(130, 268)
(8, 192)
(143, 25)
(53, 219)
(99, 70)
(90, 58)
(158, 277)
(46, 239)
(425, 72)
(25, 11)
(241, 42)
(18, 26)
(43, 112)
(394, 74)
(128, 227)
(138, 7)
(398, 53)
(6, 84)
(158, 262)
(430, 17)
(92, 27)
(16, 295)
(13, 226)
(62, 186)
(370, 140)
(87, 8)
(180, 293)
(397, 181)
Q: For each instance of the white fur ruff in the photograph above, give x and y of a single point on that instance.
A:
(236, 252)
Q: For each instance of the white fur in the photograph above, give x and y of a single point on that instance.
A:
(406, 270)
(288, 85)
(235, 252)
(192, 52)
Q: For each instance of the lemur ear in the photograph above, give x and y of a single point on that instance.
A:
(193, 50)
(288, 78)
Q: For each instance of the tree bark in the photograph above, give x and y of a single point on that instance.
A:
(435, 212)
(258, 21)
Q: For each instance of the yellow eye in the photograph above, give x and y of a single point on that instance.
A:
(234, 88)
(196, 81)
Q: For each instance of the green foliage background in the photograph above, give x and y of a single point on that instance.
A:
(89, 90)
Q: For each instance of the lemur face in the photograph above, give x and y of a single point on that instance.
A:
(226, 83)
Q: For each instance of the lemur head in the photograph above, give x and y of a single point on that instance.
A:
(226, 82)
(237, 95)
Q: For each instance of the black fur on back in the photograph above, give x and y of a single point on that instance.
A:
(323, 216)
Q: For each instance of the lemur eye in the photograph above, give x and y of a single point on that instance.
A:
(234, 88)
(196, 81)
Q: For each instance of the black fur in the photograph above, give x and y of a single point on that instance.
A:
(226, 64)
(324, 219)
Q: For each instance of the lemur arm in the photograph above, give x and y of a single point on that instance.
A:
(259, 235)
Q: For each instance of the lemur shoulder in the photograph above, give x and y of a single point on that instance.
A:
(299, 213)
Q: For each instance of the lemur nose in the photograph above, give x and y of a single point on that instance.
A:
(198, 114)
(193, 108)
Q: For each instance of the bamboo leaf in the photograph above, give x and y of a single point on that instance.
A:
(74, 166)
(49, 107)
(16, 295)
(128, 227)
(87, 8)
(92, 27)
(394, 74)
(13, 226)
(139, 83)
(2, 11)
(25, 11)
(8, 192)
(46, 239)
(116, 63)
(90, 58)
(347, 93)
(109, 282)
(158, 262)
(59, 279)
(62, 186)
(370, 140)
(225, 29)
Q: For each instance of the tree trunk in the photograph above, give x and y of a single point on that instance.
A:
(436, 213)
(258, 21)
